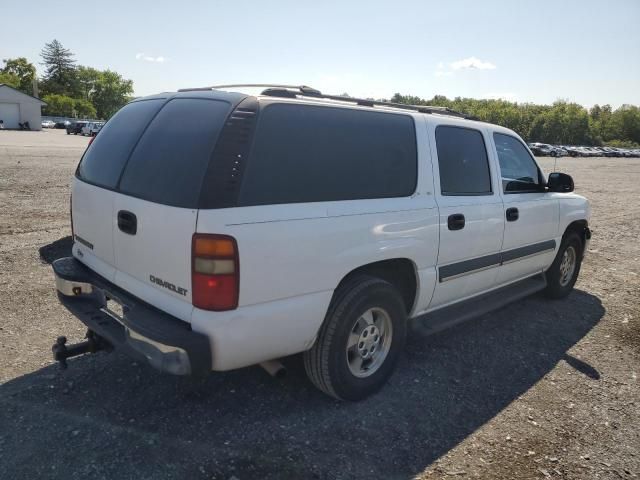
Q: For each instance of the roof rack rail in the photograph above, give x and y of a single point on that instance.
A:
(292, 91)
(289, 93)
(302, 88)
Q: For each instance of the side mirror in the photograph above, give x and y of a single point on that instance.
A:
(560, 182)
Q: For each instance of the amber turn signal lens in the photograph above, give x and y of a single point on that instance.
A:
(214, 247)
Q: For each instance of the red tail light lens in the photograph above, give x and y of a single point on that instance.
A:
(215, 272)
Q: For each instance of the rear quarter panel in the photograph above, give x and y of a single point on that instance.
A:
(292, 257)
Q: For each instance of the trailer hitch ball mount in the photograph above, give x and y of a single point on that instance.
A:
(93, 343)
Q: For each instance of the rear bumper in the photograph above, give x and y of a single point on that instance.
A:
(140, 331)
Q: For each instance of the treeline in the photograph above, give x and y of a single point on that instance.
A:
(70, 90)
(562, 123)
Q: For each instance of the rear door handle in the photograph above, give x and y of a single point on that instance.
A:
(127, 222)
(512, 214)
(455, 221)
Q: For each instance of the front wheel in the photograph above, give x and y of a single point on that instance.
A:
(360, 340)
(563, 273)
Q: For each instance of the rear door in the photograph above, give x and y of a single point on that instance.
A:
(96, 179)
(156, 208)
(471, 213)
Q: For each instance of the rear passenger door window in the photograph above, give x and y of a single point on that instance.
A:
(462, 161)
(308, 153)
(519, 171)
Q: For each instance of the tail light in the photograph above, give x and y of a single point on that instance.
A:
(215, 272)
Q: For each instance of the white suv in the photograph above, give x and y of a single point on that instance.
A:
(215, 230)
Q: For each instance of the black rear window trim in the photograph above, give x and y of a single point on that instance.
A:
(415, 139)
(488, 193)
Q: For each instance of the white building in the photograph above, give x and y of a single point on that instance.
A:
(17, 107)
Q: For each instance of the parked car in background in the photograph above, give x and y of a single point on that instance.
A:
(91, 129)
(75, 128)
(48, 124)
(62, 124)
(572, 151)
(546, 150)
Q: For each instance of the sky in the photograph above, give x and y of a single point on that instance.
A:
(534, 51)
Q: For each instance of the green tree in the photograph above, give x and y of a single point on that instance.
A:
(23, 70)
(111, 92)
(60, 70)
(9, 79)
(87, 78)
(625, 123)
(59, 105)
(84, 108)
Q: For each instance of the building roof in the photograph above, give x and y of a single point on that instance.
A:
(30, 97)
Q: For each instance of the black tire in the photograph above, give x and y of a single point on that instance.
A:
(68, 133)
(556, 288)
(327, 364)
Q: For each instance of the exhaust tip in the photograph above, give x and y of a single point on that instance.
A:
(274, 368)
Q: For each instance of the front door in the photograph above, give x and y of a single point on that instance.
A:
(471, 214)
(531, 214)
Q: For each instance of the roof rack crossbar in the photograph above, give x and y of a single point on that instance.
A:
(279, 90)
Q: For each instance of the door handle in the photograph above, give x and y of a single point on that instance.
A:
(455, 221)
(512, 214)
(127, 222)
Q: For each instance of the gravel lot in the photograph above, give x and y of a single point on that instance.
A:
(539, 389)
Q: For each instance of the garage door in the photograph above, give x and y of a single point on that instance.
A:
(10, 114)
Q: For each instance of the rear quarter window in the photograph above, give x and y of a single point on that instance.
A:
(305, 153)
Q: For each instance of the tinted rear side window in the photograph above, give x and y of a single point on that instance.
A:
(304, 153)
(169, 163)
(463, 162)
(104, 160)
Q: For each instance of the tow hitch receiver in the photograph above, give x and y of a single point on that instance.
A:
(93, 343)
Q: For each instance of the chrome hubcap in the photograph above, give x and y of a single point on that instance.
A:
(567, 266)
(369, 342)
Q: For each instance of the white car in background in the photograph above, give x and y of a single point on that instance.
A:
(91, 129)
(48, 124)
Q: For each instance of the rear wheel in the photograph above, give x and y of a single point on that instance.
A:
(359, 343)
(563, 273)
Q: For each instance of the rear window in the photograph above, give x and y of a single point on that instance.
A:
(170, 160)
(304, 153)
(104, 160)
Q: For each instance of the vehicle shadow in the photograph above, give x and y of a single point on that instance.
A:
(54, 250)
(109, 417)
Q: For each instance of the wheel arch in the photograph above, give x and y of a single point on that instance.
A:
(402, 273)
(581, 227)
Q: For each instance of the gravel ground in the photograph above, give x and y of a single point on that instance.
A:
(540, 389)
